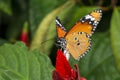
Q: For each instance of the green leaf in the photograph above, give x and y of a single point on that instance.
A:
(46, 66)
(47, 28)
(99, 63)
(38, 9)
(17, 63)
(5, 6)
(115, 39)
(8, 74)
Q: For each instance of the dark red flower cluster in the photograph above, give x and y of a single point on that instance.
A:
(63, 70)
(24, 35)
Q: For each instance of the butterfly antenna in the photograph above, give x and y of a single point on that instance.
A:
(46, 40)
(57, 44)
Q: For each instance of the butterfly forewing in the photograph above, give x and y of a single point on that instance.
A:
(96, 14)
(78, 44)
(80, 27)
(87, 24)
(61, 31)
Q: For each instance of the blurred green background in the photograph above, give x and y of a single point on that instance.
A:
(101, 63)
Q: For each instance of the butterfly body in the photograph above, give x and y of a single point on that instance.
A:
(77, 41)
(62, 42)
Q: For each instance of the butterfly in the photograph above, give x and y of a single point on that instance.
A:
(77, 41)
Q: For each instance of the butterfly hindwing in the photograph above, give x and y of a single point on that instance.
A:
(78, 44)
(61, 31)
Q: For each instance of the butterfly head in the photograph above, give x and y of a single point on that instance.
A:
(61, 42)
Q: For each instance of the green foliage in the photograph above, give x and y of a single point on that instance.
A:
(39, 9)
(17, 63)
(99, 62)
(47, 27)
(5, 6)
(115, 39)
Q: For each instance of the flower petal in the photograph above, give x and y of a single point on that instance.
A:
(62, 65)
(56, 76)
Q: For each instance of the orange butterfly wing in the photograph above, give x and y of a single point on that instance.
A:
(81, 27)
(77, 44)
(85, 26)
(61, 31)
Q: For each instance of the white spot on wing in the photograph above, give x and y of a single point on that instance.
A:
(88, 17)
(58, 22)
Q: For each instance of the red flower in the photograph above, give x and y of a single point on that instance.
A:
(24, 34)
(63, 70)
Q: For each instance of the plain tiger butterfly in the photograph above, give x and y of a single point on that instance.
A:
(77, 41)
